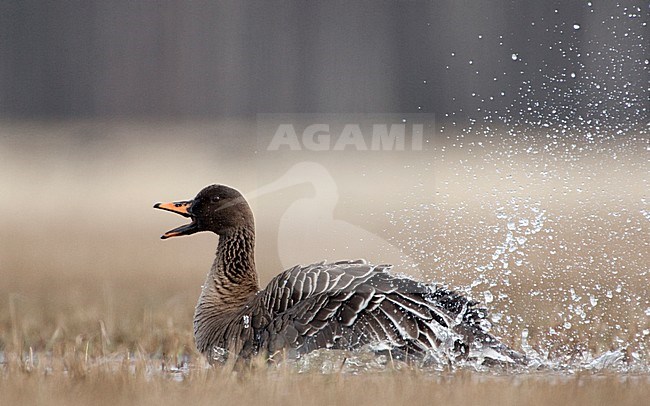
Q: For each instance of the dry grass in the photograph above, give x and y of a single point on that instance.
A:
(123, 385)
(94, 309)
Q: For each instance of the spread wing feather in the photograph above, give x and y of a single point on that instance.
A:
(351, 304)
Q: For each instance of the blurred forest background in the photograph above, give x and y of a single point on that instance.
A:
(210, 59)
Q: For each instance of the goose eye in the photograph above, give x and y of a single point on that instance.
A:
(215, 199)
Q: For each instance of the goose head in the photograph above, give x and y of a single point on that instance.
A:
(216, 208)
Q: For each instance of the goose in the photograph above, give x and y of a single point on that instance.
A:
(348, 305)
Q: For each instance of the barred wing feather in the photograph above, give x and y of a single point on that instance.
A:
(351, 304)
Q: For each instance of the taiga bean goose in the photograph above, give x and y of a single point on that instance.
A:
(345, 305)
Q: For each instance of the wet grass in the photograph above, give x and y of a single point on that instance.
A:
(72, 379)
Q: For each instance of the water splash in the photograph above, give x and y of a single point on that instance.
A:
(558, 248)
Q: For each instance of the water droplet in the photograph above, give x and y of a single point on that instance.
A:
(576, 26)
(514, 57)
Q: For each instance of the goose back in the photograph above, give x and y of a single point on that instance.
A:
(351, 305)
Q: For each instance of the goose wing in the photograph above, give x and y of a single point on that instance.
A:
(347, 305)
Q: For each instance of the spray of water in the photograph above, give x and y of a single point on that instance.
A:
(567, 225)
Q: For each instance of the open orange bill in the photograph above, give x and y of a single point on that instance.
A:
(182, 208)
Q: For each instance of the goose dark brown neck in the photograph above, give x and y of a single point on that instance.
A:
(233, 275)
(230, 284)
(235, 261)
